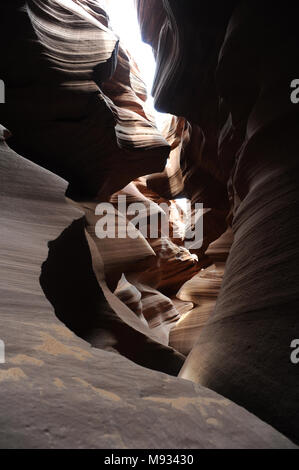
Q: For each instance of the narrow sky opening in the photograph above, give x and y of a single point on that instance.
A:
(123, 20)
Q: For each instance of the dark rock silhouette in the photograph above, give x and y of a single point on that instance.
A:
(228, 68)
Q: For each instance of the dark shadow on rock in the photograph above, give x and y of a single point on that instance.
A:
(69, 283)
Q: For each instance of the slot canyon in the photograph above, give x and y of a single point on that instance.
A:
(145, 341)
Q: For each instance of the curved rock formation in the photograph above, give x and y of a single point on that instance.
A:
(227, 67)
(186, 33)
(58, 115)
(58, 392)
(76, 105)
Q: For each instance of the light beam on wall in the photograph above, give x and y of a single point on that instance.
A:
(123, 20)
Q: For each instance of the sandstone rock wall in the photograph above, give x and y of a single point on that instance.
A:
(227, 67)
(56, 391)
(63, 52)
(75, 105)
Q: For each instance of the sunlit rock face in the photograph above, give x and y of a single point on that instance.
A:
(98, 320)
(65, 110)
(228, 69)
(81, 113)
(188, 40)
(58, 392)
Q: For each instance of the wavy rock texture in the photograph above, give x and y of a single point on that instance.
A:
(238, 92)
(186, 33)
(75, 105)
(57, 391)
(59, 117)
(244, 350)
(193, 170)
(201, 291)
(81, 112)
(90, 133)
(153, 308)
(144, 272)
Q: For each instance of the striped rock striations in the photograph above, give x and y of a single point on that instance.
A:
(227, 67)
(58, 392)
(63, 110)
(76, 109)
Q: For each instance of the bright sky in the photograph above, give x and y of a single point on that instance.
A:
(123, 19)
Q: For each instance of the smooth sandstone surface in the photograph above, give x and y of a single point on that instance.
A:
(76, 106)
(58, 392)
(227, 68)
